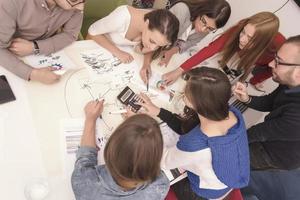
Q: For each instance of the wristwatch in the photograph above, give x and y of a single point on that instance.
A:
(36, 49)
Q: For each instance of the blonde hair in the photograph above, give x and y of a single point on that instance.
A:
(266, 27)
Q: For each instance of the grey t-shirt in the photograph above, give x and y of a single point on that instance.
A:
(181, 11)
(94, 182)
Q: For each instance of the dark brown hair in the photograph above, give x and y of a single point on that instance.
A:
(166, 23)
(209, 90)
(266, 28)
(216, 9)
(134, 150)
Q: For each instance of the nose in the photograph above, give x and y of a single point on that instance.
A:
(153, 47)
(204, 28)
(244, 39)
(272, 63)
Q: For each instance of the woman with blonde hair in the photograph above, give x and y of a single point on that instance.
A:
(251, 43)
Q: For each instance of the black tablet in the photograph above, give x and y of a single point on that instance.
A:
(6, 94)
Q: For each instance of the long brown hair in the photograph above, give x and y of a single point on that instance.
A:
(216, 9)
(208, 90)
(134, 150)
(266, 27)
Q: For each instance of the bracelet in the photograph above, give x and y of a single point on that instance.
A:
(249, 100)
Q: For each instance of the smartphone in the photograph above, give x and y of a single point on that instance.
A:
(128, 97)
(6, 93)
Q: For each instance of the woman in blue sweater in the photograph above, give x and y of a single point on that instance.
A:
(215, 151)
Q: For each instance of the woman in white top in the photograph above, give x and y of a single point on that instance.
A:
(146, 30)
(196, 18)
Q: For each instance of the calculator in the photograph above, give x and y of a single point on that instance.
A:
(129, 98)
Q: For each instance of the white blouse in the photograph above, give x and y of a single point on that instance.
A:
(115, 26)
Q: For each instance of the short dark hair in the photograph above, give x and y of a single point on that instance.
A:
(134, 150)
(219, 10)
(209, 90)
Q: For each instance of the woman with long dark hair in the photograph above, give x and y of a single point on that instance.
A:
(197, 18)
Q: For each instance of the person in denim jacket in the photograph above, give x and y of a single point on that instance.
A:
(132, 156)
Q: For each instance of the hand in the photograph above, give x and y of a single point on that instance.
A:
(240, 92)
(129, 113)
(167, 56)
(150, 108)
(143, 73)
(21, 47)
(93, 109)
(44, 75)
(170, 77)
(124, 57)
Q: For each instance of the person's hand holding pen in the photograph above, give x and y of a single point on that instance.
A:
(145, 73)
(93, 109)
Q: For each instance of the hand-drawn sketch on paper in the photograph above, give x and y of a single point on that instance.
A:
(58, 61)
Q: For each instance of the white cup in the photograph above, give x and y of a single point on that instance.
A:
(37, 189)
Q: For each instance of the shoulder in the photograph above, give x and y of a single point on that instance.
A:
(124, 9)
(278, 40)
(276, 43)
(159, 188)
(192, 141)
(180, 8)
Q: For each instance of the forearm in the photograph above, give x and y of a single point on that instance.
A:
(171, 119)
(147, 60)
(69, 34)
(55, 43)
(13, 64)
(103, 41)
(88, 137)
(283, 128)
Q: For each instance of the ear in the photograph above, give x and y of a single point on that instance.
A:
(146, 23)
(297, 75)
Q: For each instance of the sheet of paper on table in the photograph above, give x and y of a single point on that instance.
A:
(72, 130)
(59, 61)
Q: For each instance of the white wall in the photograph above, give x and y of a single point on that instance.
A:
(289, 15)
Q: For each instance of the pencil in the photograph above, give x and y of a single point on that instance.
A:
(147, 76)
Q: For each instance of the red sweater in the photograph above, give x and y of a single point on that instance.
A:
(218, 45)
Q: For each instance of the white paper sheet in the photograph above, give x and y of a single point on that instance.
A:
(59, 61)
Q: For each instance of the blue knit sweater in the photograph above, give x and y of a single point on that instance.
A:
(229, 157)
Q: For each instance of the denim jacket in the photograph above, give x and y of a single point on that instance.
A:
(92, 182)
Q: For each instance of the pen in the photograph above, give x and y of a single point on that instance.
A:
(147, 76)
(101, 99)
(118, 111)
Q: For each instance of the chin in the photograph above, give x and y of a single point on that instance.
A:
(275, 79)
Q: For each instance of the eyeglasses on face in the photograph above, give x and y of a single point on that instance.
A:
(204, 22)
(73, 3)
(278, 62)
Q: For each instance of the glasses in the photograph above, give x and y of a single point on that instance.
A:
(73, 3)
(204, 22)
(278, 62)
